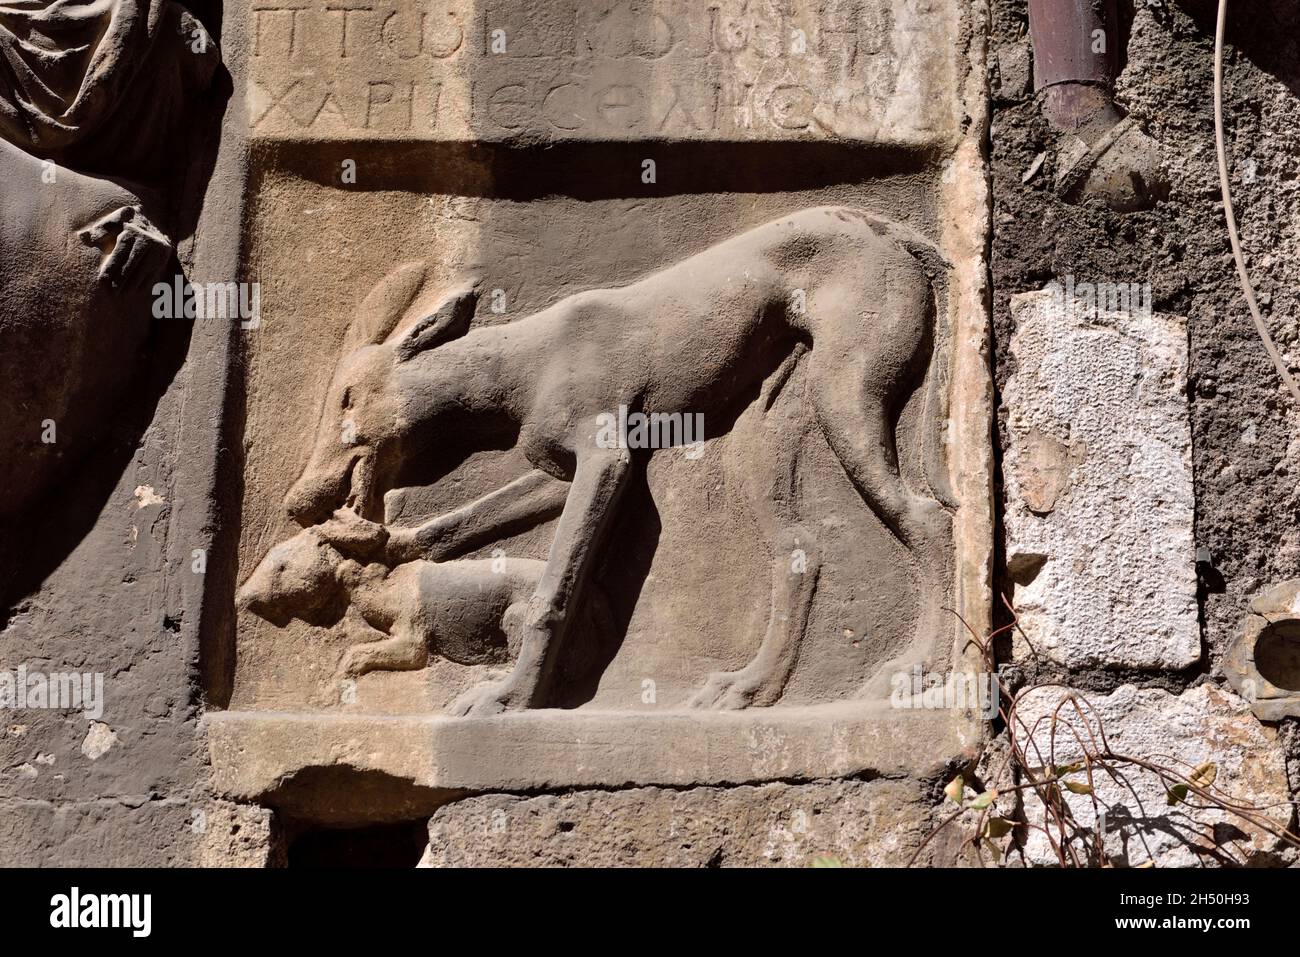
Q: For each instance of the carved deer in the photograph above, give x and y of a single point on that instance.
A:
(856, 293)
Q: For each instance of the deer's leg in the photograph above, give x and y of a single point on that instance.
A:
(768, 468)
(794, 580)
(853, 391)
(598, 482)
(528, 500)
(404, 651)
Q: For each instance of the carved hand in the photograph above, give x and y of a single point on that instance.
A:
(135, 252)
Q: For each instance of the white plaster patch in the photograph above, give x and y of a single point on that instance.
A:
(1099, 509)
(99, 739)
(146, 496)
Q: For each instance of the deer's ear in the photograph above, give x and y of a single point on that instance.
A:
(380, 312)
(449, 320)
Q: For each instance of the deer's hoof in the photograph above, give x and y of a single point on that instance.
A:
(727, 691)
(481, 701)
(353, 664)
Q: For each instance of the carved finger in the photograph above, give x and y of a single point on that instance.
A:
(150, 255)
(113, 268)
(140, 258)
(96, 234)
(103, 230)
(158, 255)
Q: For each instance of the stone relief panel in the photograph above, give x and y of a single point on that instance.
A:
(660, 443)
(681, 349)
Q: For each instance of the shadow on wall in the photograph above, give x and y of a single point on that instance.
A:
(1252, 30)
(398, 845)
(592, 171)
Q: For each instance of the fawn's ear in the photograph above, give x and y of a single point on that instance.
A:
(381, 311)
(449, 320)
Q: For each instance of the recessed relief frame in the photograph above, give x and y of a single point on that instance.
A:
(653, 450)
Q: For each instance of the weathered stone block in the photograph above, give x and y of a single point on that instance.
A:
(1204, 724)
(860, 823)
(1100, 510)
(235, 835)
(450, 608)
(456, 70)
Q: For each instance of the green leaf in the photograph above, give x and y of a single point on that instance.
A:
(1176, 794)
(984, 800)
(1079, 787)
(1063, 769)
(825, 860)
(997, 827)
(955, 789)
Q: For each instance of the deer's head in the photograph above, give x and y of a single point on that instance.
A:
(364, 426)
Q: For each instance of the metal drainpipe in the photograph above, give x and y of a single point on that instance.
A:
(1077, 80)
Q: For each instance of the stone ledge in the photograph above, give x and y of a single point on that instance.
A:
(426, 760)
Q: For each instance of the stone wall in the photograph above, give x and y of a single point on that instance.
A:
(366, 582)
(1215, 439)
